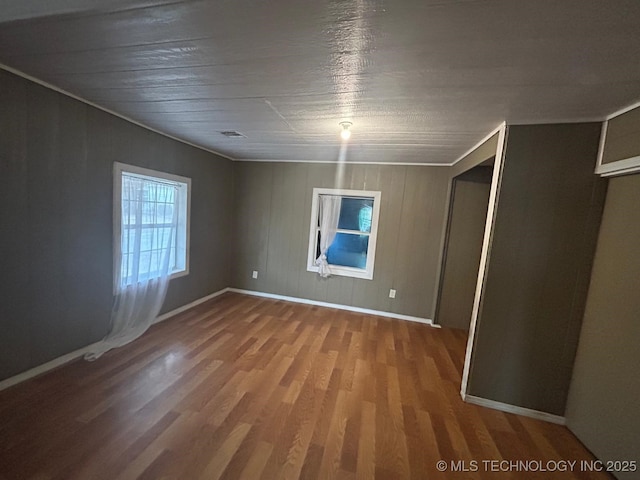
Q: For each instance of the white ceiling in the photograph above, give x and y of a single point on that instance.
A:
(421, 80)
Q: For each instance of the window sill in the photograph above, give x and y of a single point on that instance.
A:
(345, 272)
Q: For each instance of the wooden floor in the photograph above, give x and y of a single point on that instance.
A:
(244, 387)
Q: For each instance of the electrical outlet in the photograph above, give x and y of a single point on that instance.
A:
(254, 274)
(392, 293)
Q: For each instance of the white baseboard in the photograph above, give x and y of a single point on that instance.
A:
(183, 308)
(506, 407)
(45, 367)
(306, 301)
(56, 362)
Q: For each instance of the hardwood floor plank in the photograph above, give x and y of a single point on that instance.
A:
(398, 434)
(255, 465)
(298, 434)
(417, 458)
(247, 387)
(113, 457)
(326, 410)
(312, 463)
(366, 459)
(430, 445)
(141, 462)
(335, 436)
(222, 456)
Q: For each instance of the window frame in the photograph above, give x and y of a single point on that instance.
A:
(366, 273)
(183, 241)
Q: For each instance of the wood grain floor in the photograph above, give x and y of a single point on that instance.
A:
(243, 387)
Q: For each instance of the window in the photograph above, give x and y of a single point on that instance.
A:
(352, 253)
(143, 229)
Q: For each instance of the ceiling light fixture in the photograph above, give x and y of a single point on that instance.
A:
(345, 133)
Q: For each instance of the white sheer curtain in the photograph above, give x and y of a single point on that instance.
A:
(148, 232)
(329, 208)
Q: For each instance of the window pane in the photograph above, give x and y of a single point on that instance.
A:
(128, 241)
(355, 214)
(317, 244)
(165, 213)
(144, 264)
(148, 213)
(125, 265)
(349, 250)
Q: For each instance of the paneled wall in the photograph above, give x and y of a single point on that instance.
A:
(56, 279)
(272, 215)
(464, 246)
(603, 402)
(549, 210)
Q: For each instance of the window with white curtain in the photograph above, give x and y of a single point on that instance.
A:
(352, 251)
(145, 228)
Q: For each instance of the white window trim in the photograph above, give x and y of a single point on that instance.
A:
(366, 273)
(118, 169)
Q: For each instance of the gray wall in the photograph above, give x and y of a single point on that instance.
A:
(273, 209)
(56, 159)
(548, 214)
(623, 137)
(464, 245)
(603, 402)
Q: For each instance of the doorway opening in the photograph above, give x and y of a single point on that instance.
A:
(468, 208)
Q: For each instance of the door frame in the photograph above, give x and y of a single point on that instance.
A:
(496, 181)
